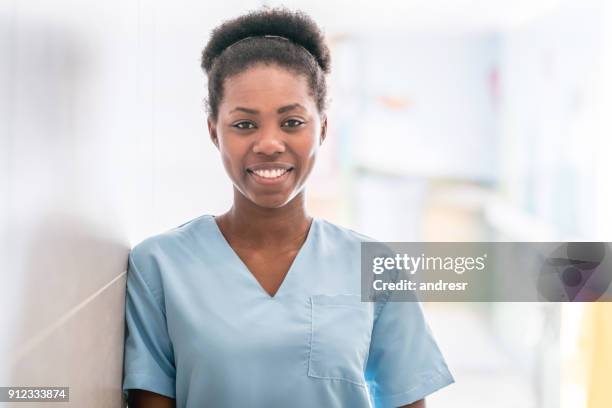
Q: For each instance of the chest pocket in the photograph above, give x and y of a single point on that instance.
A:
(340, 337)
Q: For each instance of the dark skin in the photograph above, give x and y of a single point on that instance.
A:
(267, 117)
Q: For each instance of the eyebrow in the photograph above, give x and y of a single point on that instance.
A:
(282, 109)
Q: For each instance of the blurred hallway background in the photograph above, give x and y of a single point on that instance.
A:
(451, 120)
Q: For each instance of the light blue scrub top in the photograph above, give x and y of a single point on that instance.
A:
(201, 329)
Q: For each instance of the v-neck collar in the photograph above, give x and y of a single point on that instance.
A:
(245, 269)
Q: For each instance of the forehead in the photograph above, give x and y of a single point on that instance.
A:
(266, 86)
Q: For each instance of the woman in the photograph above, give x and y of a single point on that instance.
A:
(260, 306)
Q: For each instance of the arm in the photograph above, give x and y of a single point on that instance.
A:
(418, 404)
(404, 364)
(147, 399)
(149, 364)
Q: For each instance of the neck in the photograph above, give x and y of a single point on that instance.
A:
(247, 224)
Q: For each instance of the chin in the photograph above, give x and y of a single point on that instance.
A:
(271, 200)
(270, 203)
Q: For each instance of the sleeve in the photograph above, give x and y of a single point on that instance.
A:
(148, 353)
(404, 363)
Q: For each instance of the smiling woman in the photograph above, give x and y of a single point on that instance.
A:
(261, 306)
(269, 148)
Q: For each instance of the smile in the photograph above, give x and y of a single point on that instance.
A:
(270, 176)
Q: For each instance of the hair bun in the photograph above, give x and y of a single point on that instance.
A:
(295, 26)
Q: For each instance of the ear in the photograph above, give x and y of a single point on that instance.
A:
(212, 131)
(323, 129)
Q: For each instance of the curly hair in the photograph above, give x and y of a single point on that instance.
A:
(290, 39)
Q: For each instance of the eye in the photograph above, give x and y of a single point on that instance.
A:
(244, 125)
(293, 123)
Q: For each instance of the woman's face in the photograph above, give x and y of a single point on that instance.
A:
(268, 131)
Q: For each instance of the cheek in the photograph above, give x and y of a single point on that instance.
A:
(232, 154)
(228, 164)
(308, 145)
(307, 151)
(310, 148)
(232, 167)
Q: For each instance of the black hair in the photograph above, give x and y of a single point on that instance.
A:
(238, 44)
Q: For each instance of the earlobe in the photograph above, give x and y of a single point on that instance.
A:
(323, 130)
(212, 131)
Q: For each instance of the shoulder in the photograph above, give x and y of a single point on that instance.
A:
(343, 232)
(172, 238)
(341, 237)
(146, 257)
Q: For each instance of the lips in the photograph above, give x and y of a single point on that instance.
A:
(270, 173)
(269, 166)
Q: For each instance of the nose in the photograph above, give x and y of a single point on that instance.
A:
(269, 143)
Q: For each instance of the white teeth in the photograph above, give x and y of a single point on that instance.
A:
(274, 173)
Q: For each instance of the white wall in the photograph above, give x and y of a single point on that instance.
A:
(102, 143)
